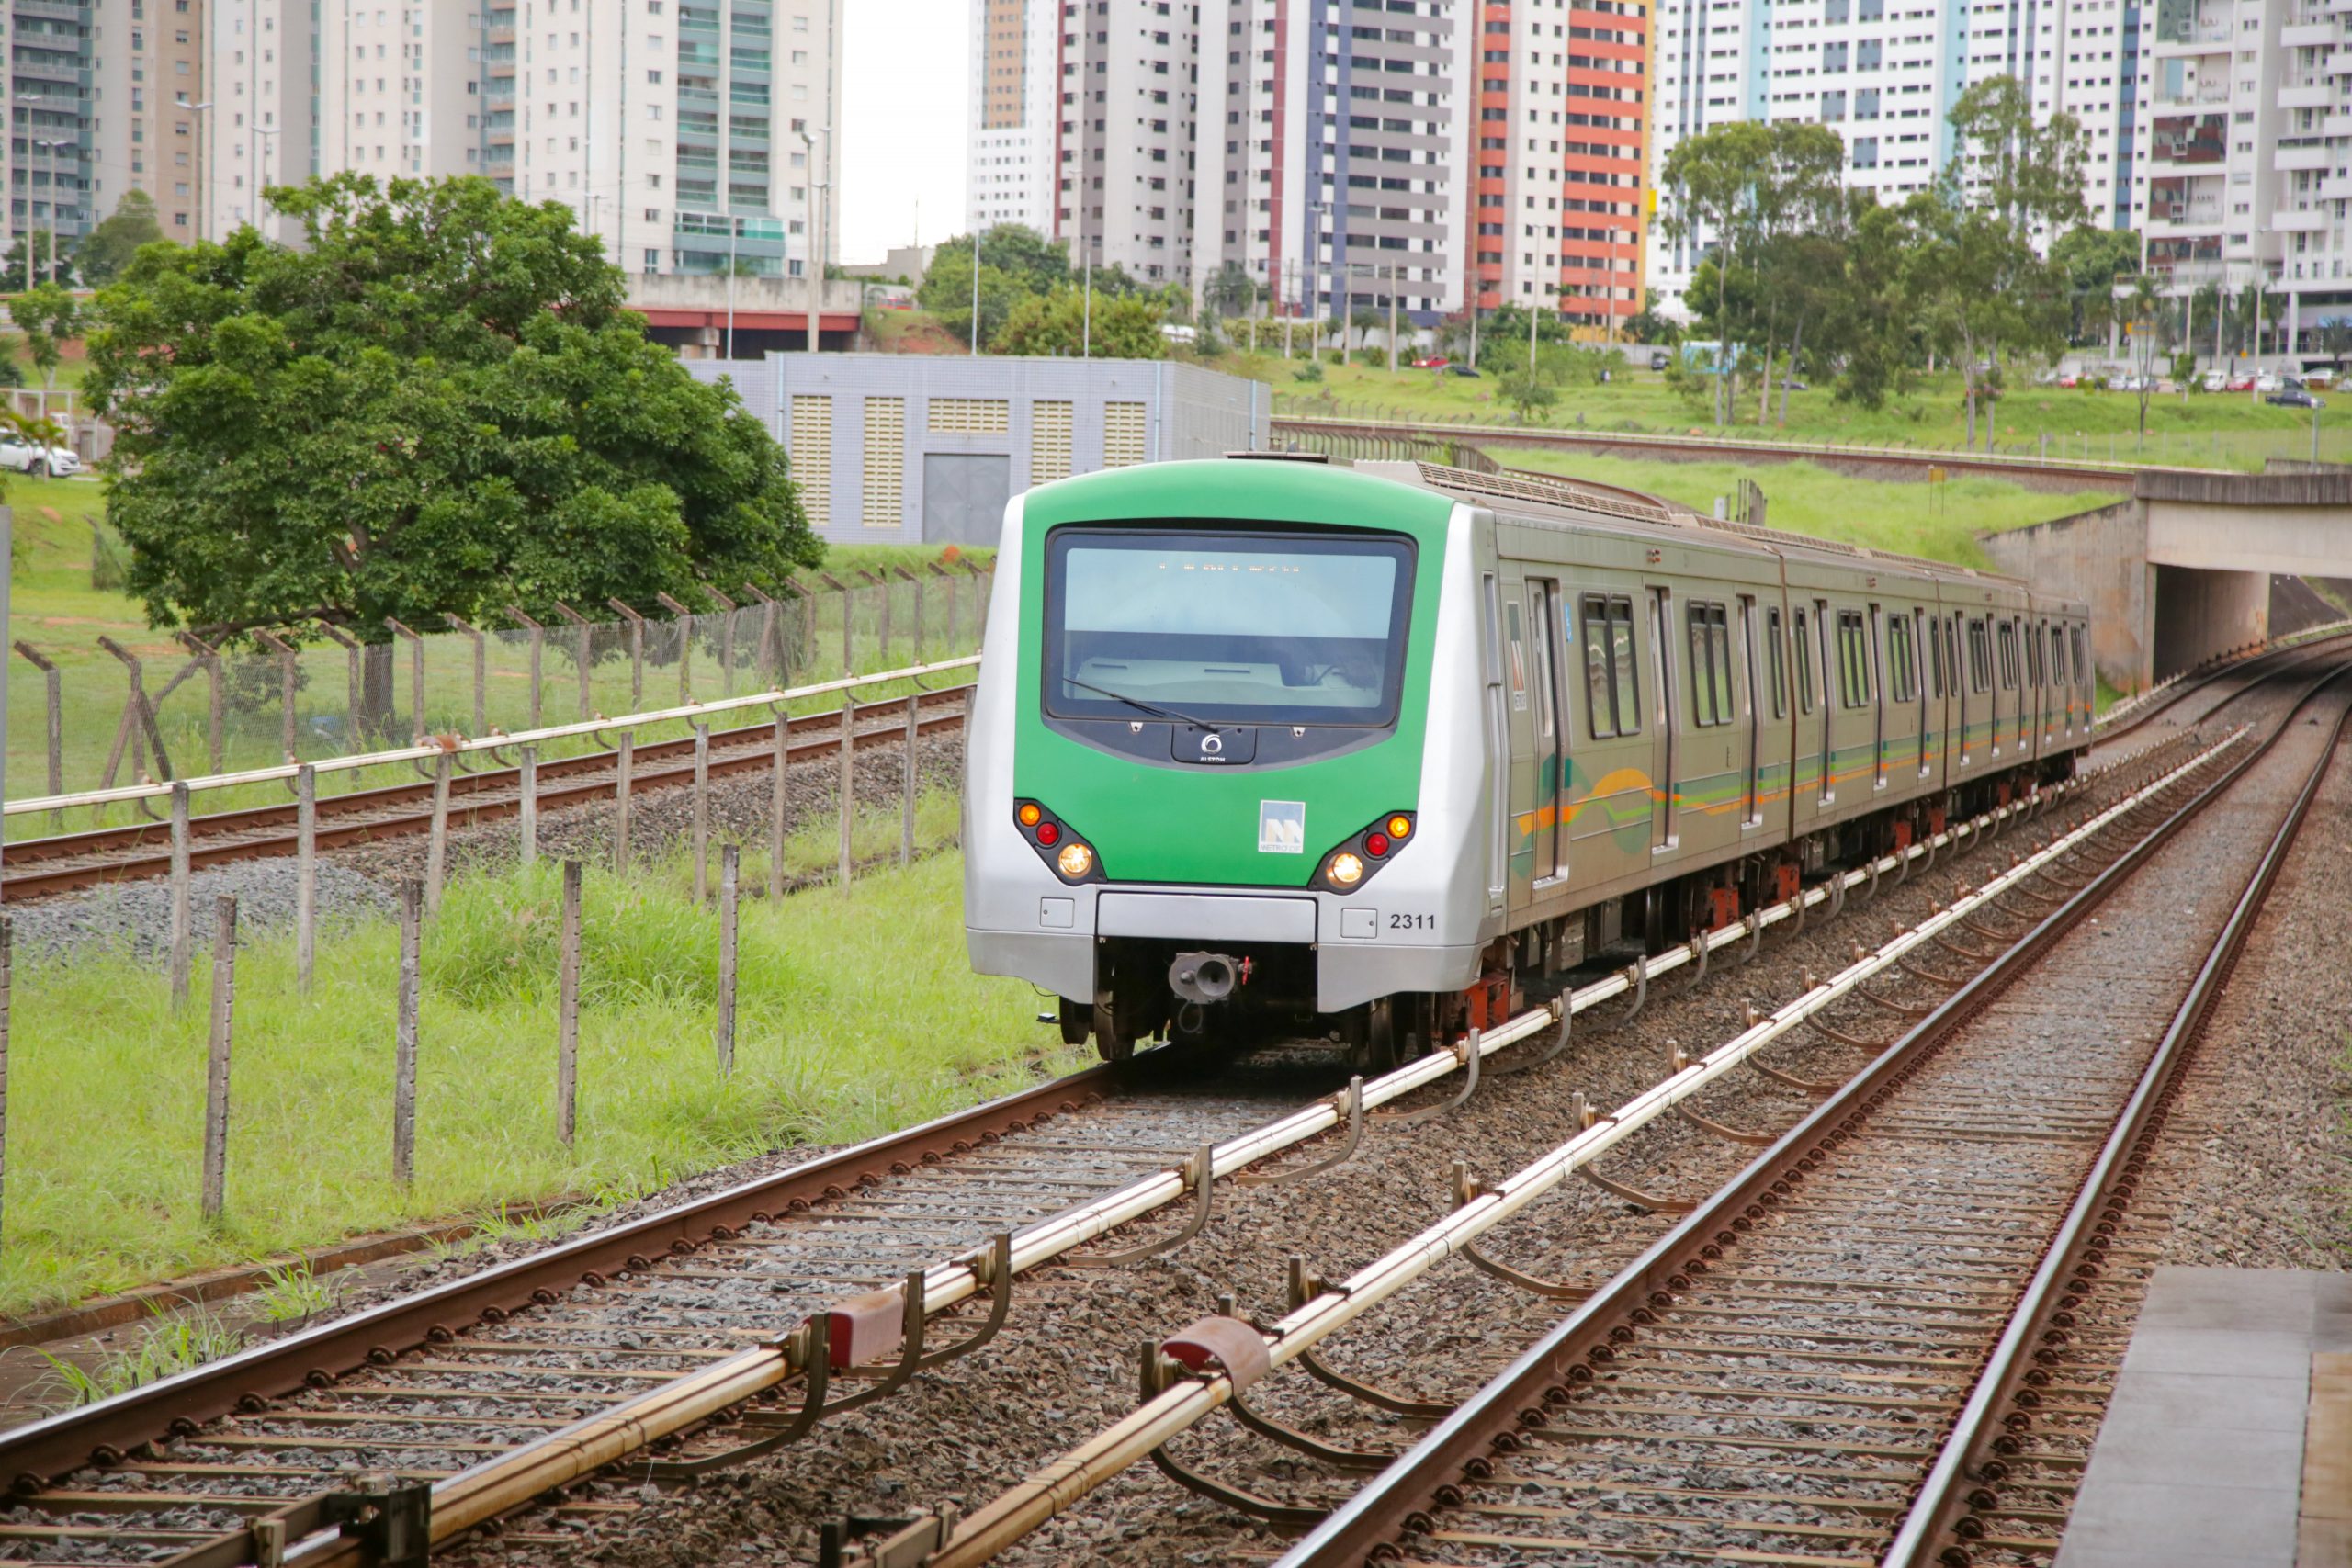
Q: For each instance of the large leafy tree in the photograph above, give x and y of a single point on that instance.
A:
(2094, 260)
(105, 249)
(47, 313)
(435, 403)
(1709, 177)
(1123, 326)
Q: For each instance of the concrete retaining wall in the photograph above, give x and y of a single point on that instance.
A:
(2099, 556)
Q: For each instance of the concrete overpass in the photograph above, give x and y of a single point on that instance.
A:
(2182, 569)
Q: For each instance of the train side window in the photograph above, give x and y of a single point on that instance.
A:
(2082, 665)
(1611, 705)
(1804, 662)
(1621, 664)
(1980, 657)
(1514, 642)
(2007, 638)
(1773, 659)
(1901, 685)
(1935, 660)
(1539, 620)
(1853, 660)
(1711, 692)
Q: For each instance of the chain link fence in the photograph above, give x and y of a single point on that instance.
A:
(94, 715)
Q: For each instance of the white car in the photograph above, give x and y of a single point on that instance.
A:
(31, 458)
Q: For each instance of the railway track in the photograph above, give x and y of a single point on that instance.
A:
(483, 1395)
(2246, 672)
(35, 868)
(2060, 474)
(1889, 1340)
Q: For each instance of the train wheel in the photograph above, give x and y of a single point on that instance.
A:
(1378, 1053)
(1078, 1022)
(1110, 1042)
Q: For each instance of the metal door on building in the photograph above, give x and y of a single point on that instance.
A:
(963, 497)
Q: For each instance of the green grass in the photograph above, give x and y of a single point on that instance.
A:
(856, 1015)
(1941, 521)
(2201, 429)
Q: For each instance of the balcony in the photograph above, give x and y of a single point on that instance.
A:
(2309, 35)
(2299, 219)
(2196, 96)
(2336, 187)
(2312, 94)
(2293, 157)
(2194, 40)
(2338, 124)
(2338, 64)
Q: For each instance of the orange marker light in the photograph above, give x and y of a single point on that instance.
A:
(1029, 814)
(1399, 826)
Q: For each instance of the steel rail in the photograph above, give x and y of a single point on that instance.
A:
(102, 1432)
(749, 745)
(1966, 1477)
(286, 772)
(1025, 1508)
(1571, 1350)
(2119, 722)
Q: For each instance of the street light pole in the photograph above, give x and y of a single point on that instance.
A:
(196, 110)
(734, 226)
(821, 183)
(1086, 312)
(976, 292)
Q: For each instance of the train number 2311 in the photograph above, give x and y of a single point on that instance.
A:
(1412, 922)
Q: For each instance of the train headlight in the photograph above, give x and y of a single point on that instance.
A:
(1346, 869)
(1075, 861)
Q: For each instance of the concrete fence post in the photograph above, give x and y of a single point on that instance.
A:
(306, 873)
(7, 966)
(882, 599)
(528, 812)
(913, 748)
(482, 671)
(355, 680)
(702, 812)
(777, 791)
(567, 1009)
(584, 649)
(917, 582)
(727, 615)
(729, 863)
(624, 758)
(404, 1036)
(216, 1060)
(848, 784)
(415, 677)
(636, 624)
(537, 643)
(289, 735)
(436, 849)
(849, 620)
(50, 680)
(209, 657)
(183, 938)
(950, 578)
(682, 623)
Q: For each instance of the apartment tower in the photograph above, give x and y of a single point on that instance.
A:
(1015, 52)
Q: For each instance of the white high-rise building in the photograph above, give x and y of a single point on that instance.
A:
(1884, 74)
(263, 53)
(1015, 48)
(690, 136)
(1125, 139)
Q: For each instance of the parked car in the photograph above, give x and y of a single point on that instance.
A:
(2070, 380)
(1463, 371)
(2318, 380)
(2295, 398)
(1435, 362)
(1793, 385)
(31, 458)
(1660, 358)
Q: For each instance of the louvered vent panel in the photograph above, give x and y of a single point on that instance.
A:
(886, 463)
(970, 416)
(1122, 434)
(811, 446)
(1049, 441)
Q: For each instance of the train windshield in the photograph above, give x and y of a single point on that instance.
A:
(1226, 628)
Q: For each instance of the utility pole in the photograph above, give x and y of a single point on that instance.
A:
(821, 182)
(1392, 318)
(734, 228)
(976, 292)
(1086, 312)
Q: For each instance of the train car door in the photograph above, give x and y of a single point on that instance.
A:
(1543, 631)
(1752, 713)
(1669, 717)
(1881, 660)
(1813, 653)
(2006, 671)
(1931, 673)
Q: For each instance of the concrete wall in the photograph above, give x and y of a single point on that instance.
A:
(2101, 557)
(971, 432)
(2199, 613)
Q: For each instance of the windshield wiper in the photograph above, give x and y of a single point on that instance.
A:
(1137, 702)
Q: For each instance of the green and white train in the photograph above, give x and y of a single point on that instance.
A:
(1272, 748)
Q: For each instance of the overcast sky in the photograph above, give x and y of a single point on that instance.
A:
(905, 86)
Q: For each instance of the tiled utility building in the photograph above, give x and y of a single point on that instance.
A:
(908, 448)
